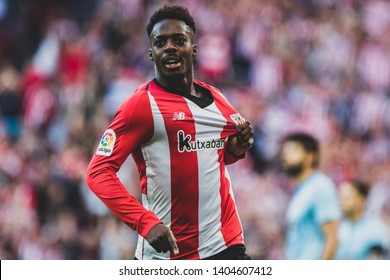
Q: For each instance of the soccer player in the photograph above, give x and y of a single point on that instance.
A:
(314, 210)
(362, 236)
(181, 133)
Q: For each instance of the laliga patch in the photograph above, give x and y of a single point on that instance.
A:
(237, 119)
(106, 145)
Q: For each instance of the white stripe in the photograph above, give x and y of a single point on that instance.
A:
(231, 192)
(210, 237)
(156, 154)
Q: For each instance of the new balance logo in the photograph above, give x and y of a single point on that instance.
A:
(184, 143)
(178, 116)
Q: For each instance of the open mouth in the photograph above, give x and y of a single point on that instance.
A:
(172, 62)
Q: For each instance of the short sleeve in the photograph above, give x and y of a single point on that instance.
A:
(327, 206)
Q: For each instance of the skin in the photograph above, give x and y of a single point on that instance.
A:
(352, 203)
(353, 206)
(174, 39)
(294, 156)
(329, 230)
(172, 49)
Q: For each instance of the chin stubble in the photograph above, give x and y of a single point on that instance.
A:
(294, 170)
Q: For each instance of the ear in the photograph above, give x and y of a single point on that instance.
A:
(312, 159)
(194, 50)
(151, 55)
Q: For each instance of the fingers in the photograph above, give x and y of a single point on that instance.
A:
(245, 134)
(162, 239)
(172, 243)
(162, 245)
(243, 126)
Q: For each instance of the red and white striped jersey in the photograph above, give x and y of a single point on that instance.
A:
(180, 152)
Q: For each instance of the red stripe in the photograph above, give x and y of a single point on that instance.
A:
(225, 108)
(231, 226)
(184, 173)
(140, 161)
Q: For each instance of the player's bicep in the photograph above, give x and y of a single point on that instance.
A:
(329, 229)
(130, 127)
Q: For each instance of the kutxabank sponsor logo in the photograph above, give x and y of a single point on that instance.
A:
(185, 143)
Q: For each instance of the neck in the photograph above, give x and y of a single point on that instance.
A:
(178, 84)
(303, 175)
(356, 215)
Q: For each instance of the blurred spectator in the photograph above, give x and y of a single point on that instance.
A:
(362, 236)
(10, 101)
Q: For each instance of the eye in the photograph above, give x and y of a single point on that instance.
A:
(159, 43)
(180, 41)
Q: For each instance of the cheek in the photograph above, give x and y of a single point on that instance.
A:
(345, 202)
(188, 52)
(188, 57)
(156, 56)
(348, 201)
(292, 157)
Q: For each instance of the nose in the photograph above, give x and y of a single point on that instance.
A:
(170, 46)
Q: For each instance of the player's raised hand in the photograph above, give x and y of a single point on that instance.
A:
(161, 238)
(239, 143)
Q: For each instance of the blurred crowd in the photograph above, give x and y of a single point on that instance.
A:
(320, 66)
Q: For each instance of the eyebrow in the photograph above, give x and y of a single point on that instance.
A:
(171, 35)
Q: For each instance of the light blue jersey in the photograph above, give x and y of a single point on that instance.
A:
(314, 202)
(356, 239)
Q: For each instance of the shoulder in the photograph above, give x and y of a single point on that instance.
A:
(325, 198)
(323, 181)
(206, 85)
(218, 96)
(375, 222)
(320, 187)
(377, 228)
(215, 91)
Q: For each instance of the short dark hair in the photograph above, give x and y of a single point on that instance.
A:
(362, 187)
(309, 144)
(171, 12)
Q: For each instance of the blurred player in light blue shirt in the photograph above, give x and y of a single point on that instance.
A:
(314, 209)
(361, 236)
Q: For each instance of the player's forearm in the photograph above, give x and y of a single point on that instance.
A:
(330, 247)
(106, 185)
(230, 158)
(329, 251)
